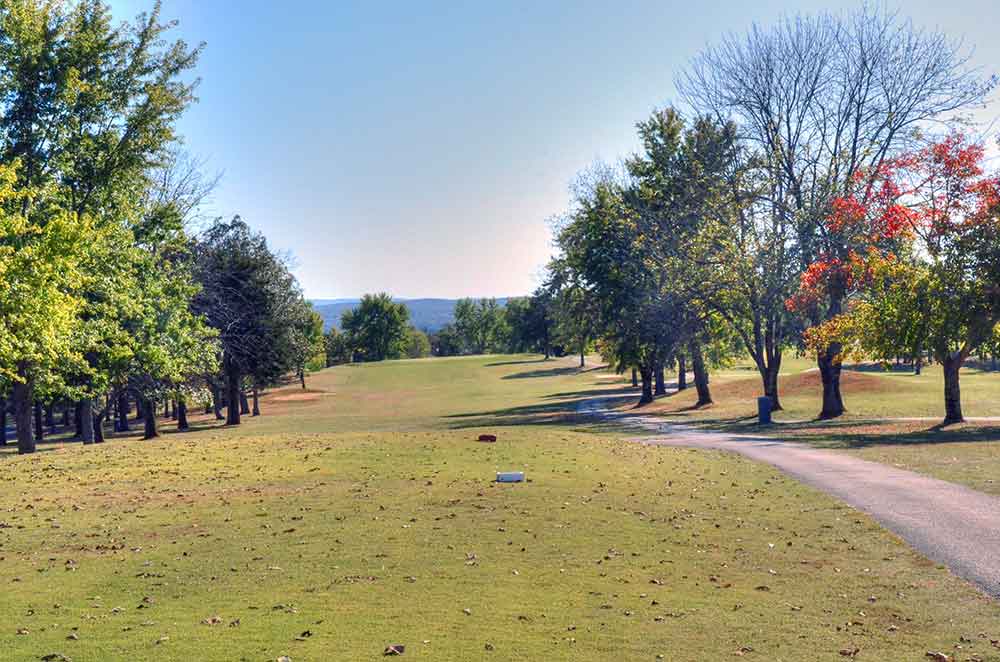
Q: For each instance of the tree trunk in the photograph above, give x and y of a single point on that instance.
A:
(660, 379)
(123, 412)
(22, 395)
(39, 429)
(302, 378)
(173, 410)
(256, 402)
(952, 393)
(166, 408)
(50, 418)
(77, 420)
(682, 382)
(149, 415)
(182, 415)
(829, 372)
(217, 403)
(770, 378)
(583, 356)
(3, 421)
(700, 375)
(233, 405)
(244, 403)
(87, 420)
(635, 377)
(918, 363)
(647, 385)
(99, 426)
(138, 409)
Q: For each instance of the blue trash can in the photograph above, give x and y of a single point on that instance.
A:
(763, 410)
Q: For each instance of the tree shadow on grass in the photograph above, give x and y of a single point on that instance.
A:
(135, 432)
(566, 409)
(518, 362)
(865, 433)
(600, 393)
(935, 434)
(552, 372)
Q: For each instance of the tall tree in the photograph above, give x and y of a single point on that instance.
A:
(41, 278)
(249, 296)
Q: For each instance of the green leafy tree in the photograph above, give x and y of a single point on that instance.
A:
(377, 329)
(481, 326)
(41, 282)
(531, 322)
(335, 347)
(446, 341)
(418, 345)
(249, 296)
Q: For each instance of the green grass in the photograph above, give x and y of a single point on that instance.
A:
(365, 515)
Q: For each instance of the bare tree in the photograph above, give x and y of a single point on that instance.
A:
(180, 180)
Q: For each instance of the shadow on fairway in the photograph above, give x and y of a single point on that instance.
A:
(520, 362)
(858, 433)
(552, 372)
(558, 409)
(864, 434)
(63, 437)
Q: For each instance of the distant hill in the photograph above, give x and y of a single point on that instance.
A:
(426, 314)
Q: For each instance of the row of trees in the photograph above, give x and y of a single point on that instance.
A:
(107, 296)
(815, 193)
(379, 329)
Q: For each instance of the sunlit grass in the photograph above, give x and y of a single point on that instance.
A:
(363, 513)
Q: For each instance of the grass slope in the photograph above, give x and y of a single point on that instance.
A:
(362, 513)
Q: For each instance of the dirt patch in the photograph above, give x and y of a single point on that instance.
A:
(304, 396)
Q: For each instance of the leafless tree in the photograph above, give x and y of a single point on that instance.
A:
(182, 181)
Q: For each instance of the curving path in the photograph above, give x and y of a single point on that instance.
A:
(948, 523)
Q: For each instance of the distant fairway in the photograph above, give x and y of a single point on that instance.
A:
(362, 513)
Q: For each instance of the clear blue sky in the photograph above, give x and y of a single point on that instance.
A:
(419, 147)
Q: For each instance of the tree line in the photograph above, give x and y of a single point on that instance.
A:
(815, 190)
(379, 329)
(109, 298)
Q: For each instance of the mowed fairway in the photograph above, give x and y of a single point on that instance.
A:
(362, 513)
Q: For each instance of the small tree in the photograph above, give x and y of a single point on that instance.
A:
(481, 326)
(418, 345)
(377, 329)
(531, 322)
(335, 347)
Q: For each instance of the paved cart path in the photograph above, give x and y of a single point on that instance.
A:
(948, 523)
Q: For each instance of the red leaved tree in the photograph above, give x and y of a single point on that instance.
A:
(935, 215)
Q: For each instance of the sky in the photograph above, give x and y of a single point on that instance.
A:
(420, 148)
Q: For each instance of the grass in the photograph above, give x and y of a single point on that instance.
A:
(362, 513)
(875, 426)
(869, 393)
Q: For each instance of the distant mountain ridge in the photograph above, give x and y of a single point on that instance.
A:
(428, 315)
